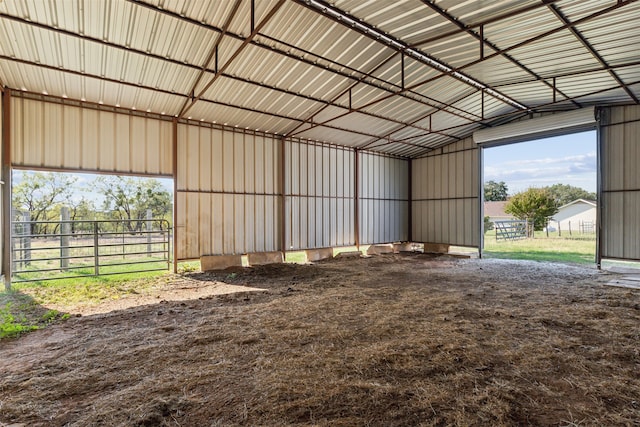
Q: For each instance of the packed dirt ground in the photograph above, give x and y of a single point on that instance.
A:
(403, 339)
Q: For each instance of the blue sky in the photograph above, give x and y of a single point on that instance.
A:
(85, 183)
(569, 159)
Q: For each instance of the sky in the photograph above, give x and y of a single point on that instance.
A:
(569, 159)
(85, 185)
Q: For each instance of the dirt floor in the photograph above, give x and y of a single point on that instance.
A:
(405, 339)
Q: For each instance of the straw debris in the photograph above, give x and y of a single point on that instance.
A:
(390, 340)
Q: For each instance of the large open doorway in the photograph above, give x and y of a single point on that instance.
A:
(70, 225)
(540, 199)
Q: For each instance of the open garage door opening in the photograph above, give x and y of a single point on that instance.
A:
(71, 225)
(540, 199)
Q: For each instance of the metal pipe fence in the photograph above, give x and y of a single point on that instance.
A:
(82, 248)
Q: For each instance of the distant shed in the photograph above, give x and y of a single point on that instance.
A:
(579, 215)
(495, 211)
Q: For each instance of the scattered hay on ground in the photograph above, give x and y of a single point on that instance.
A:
(389, 340)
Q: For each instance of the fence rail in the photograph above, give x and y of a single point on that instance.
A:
(511, 230)
(82, 248)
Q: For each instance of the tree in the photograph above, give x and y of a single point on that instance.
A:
(129, 198)
(564, 193)
(488, 225)
(536, 205)
(495, 191)
(38, 193)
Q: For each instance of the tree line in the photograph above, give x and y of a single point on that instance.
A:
(43, 195)
(536, 205)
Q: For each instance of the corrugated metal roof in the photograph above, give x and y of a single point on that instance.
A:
(379, 72)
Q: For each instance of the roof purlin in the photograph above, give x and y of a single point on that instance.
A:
(486, 22)
(593, 51)
(515, 114)
(211, 54)
(620, 3)
(172, 61)
(363, 79)
(483, 41)
(226, 65)
(396, 44)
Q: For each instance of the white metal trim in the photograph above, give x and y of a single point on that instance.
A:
(541, 127)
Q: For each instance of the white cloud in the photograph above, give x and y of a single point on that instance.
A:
(578, 170)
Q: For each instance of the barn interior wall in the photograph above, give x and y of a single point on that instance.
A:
(383, 199)
(228, 191)
(445, 195)
(319, 195)
(620, 157)
(53, 135)
(3, 184)
(230, 184)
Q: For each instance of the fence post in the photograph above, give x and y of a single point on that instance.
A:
(148, 227)
(559, 231)
(96, 252)
(64, 238)
(26, 239)
(14, 232)
(569, 228)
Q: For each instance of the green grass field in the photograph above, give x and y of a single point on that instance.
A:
(26, 306)
(574, 249)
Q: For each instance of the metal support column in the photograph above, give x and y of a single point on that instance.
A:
(410, 207)
(174, 152)
(6, 188)
(356, 193)
(283, 208)
(599, 163)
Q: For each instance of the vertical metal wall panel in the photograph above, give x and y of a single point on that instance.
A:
(383, 198)
(59, 136)
(620, 148)
(229, 178)
(319, 196)
(3, 186)
(90, 140)
(445, 195)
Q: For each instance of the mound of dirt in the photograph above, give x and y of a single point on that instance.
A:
(401, 339)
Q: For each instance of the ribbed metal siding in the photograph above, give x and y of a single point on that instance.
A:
(2, 185)
(57, 136)
(227, 192)
(384, 198)
(320, 201)
(445, 196)
(620, 139)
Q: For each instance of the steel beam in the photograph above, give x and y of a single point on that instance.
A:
(174, 161)
(483, 41)
(480, 24)
(6, 188)
(235, 54)
(578, 35)
(213, 53)
(325, 9)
